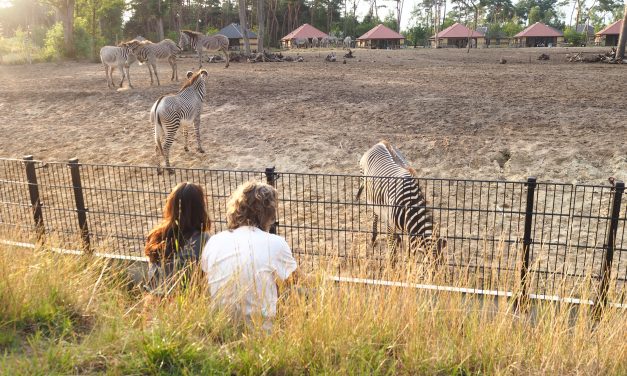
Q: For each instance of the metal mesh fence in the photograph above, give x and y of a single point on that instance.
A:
(483, 222)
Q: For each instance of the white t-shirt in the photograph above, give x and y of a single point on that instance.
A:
(241, 267)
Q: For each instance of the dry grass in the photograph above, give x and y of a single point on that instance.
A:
(63, 314)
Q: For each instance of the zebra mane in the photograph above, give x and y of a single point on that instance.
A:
(399, 158)
(191, 33)
(192, 79)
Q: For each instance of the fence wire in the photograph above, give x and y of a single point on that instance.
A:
(319, 215)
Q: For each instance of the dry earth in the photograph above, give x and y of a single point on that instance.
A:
(453, 114)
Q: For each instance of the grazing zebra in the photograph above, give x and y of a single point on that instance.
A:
(146, 51)
(199, 41)
(117, 57)
(388, 181)
(299, 43)
(175, 110)
(314, 42)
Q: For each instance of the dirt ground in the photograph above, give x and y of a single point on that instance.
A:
(453, 114)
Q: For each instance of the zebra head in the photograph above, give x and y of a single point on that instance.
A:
(183, 41)
(197, 81)
(135, 47)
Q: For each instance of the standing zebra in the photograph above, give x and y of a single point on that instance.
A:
(146, 51)
(175, 110)
(117, 57)
(390, 183)
(198, 41)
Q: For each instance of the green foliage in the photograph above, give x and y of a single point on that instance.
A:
(390, 21)
(573, 37)
(511, 28)
(211, 30)
(82, 38)
(417, 35)
(53, 43)
(535, 14)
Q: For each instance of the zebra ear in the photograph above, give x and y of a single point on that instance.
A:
(189, 74)
(204, 73)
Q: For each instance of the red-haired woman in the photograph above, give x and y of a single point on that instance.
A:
(176, 243)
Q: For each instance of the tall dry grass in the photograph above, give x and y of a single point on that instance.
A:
(63, 314)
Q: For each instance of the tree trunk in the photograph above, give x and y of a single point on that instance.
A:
(242, 23)
(436, 24)
(474, 27)
(261, 15)
(620, 50)
(68, 28)
(160, 34)
(93, 31)
(399, 11)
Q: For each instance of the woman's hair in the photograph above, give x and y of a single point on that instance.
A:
(184, 214)
(252, 204)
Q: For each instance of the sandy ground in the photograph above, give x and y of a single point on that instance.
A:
(454, 115)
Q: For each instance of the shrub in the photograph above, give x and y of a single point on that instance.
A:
(53, 43)
(573, 37)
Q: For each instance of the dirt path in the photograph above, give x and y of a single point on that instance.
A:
(453, 114)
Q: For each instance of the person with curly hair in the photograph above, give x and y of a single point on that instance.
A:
(175, 244)
(244, 263)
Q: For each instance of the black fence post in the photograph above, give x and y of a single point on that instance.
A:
(81, 212)
(606, 266)
(35, 201)
(524, 269)
(271, 177)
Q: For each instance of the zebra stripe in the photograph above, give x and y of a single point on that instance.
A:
(117, 57)
(199, 41)
(175, 110)
(390, 183)
(146, 51)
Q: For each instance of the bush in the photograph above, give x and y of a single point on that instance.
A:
(573, 37)
(53, 43)
(54, 46)
(17, 50)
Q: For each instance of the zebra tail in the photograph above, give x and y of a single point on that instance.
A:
(154, 120)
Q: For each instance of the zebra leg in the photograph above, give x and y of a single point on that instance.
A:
(226, 55)
(185, 138)
(123, 71)
(197, 129)
(375, 222)
(106, 67)
(150, 71)
(128, 76)
(159, 155)
(169, 139)
(154, 68)
(393, 243)
(172, 61)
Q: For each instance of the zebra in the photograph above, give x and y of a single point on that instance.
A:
(117, 57)
(390, 182)
(328, 42)
(175, 110)
(146, 51)
(299, 43)
(199, 41)
(347, 42)
(314, 42)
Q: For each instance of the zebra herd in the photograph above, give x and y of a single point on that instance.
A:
(325, 42)
(147, 52)
(388, 182)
